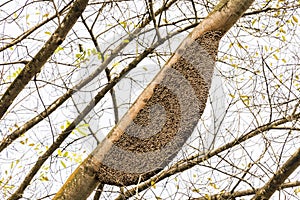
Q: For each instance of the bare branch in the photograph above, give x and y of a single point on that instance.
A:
(192, 161)
(229, 195)
(279, 177)
(58, 102)
(35, 65)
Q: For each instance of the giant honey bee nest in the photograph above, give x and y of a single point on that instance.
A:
(168, 118)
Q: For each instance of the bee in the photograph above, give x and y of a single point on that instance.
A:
(80, 48)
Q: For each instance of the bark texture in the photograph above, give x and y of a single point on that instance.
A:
(157, 125)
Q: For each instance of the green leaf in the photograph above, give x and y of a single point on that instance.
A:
(115, 64)
(59, 152)
(66, 154)
(63, 164)
(44, 178)
(12, 164)
(275, 56)
(78, 55)
(124, 24)
(84, 125)
(59, 48)
(81, 132)
(153, 184)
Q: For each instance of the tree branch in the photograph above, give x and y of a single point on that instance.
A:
(58, 102)
(229, 195)
(35, 65)
(125, 159)
(198, 158)
(279, 177)
(80, 117)
(31, 30)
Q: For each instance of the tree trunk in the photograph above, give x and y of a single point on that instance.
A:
(163, 117)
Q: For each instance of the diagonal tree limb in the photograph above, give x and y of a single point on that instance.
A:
(279, 177)
(121, 159)
(35, 65)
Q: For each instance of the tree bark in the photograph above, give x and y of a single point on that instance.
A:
(163, 117)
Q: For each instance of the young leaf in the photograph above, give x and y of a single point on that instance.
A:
(63, 164)
(295, 19)
(153, 184)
